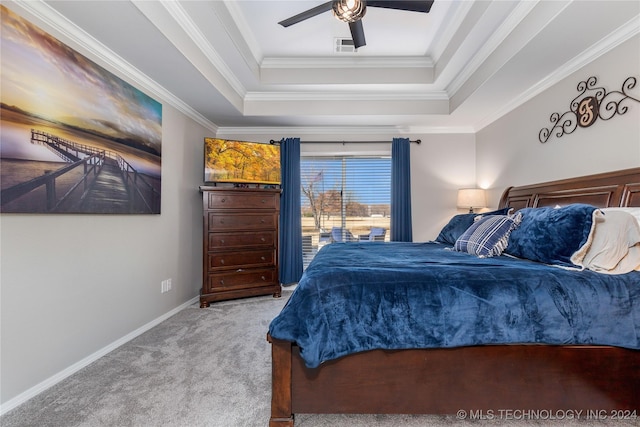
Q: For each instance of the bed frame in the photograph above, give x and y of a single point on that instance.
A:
(475, 379)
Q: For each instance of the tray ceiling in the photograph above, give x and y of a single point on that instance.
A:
(231, 67)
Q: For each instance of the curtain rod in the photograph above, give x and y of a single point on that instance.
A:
(273, 141)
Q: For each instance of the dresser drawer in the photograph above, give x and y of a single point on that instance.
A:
(244, 259)
(241, 278)
(242, 221)
(242, 240)
(248, 200)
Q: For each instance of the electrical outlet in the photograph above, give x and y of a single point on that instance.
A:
(165, 286)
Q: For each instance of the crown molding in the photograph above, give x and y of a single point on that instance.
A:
(611, 41)
(342, 131)
(347, 70)
(177, 12)
(70, 33)
(173, 22)
(420, 130)
(339, 132)
(345, 96)
(498, 37)
(442, 40)
(308, 130)
(254, 55)
(348, 62)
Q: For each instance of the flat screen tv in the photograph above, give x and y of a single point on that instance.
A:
(241, 162)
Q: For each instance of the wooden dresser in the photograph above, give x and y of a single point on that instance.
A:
(240, 243)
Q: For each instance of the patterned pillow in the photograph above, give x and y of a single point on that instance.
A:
(460, 223)
(488, 236)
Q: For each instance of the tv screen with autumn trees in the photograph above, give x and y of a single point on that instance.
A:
(241, 162)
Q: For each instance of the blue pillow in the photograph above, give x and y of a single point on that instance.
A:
(488, 236)
(459, 224)
(551, 235)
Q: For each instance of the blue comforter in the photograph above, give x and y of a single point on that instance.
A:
(362, 296)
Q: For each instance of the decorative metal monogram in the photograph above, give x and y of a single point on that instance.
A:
(591, 103)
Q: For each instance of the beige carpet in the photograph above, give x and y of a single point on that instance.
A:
(202, 367)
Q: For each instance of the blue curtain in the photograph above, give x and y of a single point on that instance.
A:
(290, 219)
(401, 228)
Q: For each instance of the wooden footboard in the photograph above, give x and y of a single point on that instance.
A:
(281, 357)
(482, 379)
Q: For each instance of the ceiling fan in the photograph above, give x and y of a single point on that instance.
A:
(352, 11)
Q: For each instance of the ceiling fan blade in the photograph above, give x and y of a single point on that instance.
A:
(306, 14)
(357, 33)
(410, 5)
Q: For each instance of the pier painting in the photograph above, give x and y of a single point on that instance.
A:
(74, 138)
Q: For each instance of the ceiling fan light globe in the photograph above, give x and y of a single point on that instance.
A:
(349, 10)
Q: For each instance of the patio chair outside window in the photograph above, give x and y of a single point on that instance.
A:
(339, 234)
(376, 234)
(350, 192)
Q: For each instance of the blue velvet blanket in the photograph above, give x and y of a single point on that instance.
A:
(362, 296)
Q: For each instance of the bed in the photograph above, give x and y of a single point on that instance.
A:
(535, 369)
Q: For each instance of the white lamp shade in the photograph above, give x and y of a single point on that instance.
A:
(471, 198)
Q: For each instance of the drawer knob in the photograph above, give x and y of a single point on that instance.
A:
(264, 201)
(222, 241)
(221, 221)
(223, 200)
(262, 258)
(221, 281)
(222, 261)
(262, 239)
(263, 278)
(262, 220)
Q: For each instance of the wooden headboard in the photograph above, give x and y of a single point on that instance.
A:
(611, 189)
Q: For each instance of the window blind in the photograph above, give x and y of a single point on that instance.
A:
(344, 199)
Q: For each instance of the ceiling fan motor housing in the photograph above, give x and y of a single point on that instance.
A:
(352, 11)
(349, 10)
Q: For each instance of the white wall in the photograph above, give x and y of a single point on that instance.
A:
(441, 165)
(74, 284)
(509, 152)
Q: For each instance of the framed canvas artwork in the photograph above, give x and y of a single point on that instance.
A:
(75, 137)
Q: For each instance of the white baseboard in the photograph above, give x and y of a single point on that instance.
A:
(53, 380)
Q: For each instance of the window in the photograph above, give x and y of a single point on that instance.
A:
(344, 199)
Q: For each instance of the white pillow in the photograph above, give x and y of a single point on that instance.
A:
(615, 243)
(633, 211)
